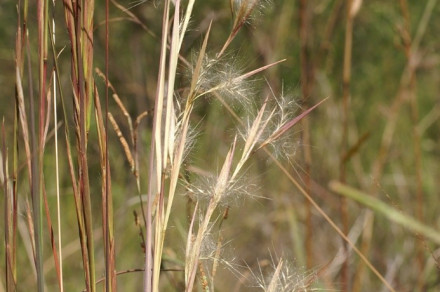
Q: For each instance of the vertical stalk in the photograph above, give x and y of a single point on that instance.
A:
(73, 19)
(110, 276)
(346, 79)
(84, 50)
(37, 202)
(306, 90)
(14, 198)
(57, 178)
(412, 87)
(10, 282)
(155, 164)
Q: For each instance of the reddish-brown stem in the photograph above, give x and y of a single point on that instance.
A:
(346, 79)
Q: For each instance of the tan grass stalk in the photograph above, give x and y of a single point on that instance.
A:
(351, 12)
(273, 285)
(123, 141)
(168, 151)
(23, 121)
(37, 186)
(155, 167)
(107, 199)
(14, 188)
(216, 259)
(110, 265)
(57, 175)
(8, 215)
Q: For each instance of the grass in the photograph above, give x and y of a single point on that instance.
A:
(204, 146)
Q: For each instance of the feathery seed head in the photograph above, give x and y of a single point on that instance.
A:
(278, 112)
(283, 276)
(204, 189)
(221, 76)
(286, 145)
(242, 10)
(191, 136)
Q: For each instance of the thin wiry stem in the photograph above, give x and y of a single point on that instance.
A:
(306, 90)
(110, 276)
(37, 202)
(346, 79)
(4, 179)
(57, 172)
(406, 36)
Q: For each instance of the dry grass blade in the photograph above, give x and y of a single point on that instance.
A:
(155, 167)
(198, 67)
(37, 173)
(178, 153)
(123, 141)
(216, 260)
(253, 136)
(107, 198)
(117, 100)
(273, 285)
(241, 16)
(23, 121)
(224, 177)
(168, 144)
(258, 70)
(189, 243)
(57, 172)
(8, 216)
(135, 150)
(186, 19)
(52, 238)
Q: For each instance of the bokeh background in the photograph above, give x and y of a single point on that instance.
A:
(389, 126)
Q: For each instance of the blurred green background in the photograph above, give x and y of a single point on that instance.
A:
(274, 226)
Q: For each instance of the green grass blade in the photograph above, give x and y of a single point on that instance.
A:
(386, 210)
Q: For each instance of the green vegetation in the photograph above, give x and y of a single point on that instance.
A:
(242, 145)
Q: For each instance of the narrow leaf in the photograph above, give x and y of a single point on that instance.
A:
(389, 212)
